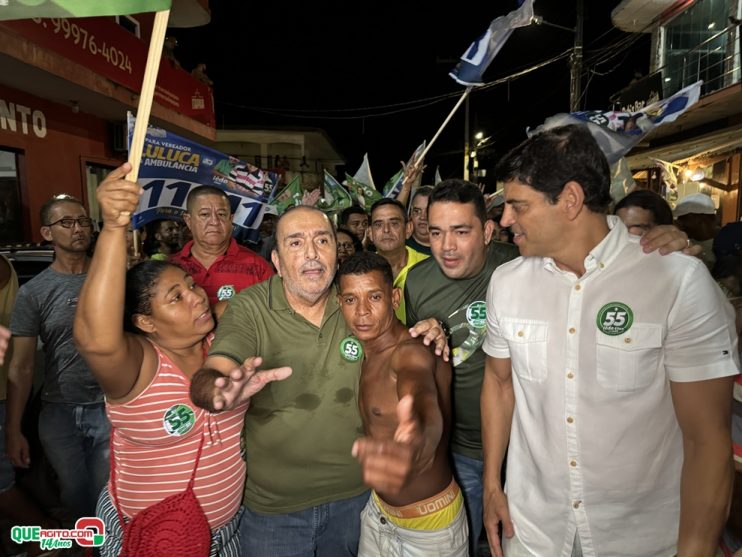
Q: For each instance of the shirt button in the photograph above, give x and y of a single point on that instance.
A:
(382, 520)
(576, 504)
(570, 375)
(627, 340)
(520, 333)
(601, 265)
(572, 330)
(578, 287)
(570, 419)
(320, 335)
(573, 463)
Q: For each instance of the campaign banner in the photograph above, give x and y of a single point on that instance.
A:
(172, 166)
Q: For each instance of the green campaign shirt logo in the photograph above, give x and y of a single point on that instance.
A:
(351, 349)
(615, 318)
(179, 419)
(476, 314)
(225, 292)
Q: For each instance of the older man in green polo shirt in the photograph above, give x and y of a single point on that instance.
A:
(304, 492)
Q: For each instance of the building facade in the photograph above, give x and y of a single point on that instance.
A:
(65, 88)
(691, 41)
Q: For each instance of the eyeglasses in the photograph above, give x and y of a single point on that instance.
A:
(69, 222)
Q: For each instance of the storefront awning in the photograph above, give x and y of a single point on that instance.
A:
(703, 146)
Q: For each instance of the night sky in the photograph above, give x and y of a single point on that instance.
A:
(306, 65)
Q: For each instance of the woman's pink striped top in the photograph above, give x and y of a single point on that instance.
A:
(156, 441)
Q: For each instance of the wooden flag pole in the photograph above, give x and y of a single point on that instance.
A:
(445, 123)
(148, 92)
(145, 100)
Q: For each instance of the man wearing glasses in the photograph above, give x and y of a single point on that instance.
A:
(73, 427)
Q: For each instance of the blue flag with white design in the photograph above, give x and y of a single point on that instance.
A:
(619, 132)
(480, 54)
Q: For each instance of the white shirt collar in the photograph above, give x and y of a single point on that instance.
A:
(604, 253)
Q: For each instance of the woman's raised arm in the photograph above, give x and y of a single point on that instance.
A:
(114, 356)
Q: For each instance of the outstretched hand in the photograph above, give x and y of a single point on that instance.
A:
(389, 464)
(118, 198)
(243, 382)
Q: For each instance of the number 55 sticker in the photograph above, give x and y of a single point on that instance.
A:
(615, 318)
(351, 349)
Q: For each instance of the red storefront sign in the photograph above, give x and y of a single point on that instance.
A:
(106, 48)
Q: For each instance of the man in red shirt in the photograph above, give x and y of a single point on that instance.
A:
(213, 258)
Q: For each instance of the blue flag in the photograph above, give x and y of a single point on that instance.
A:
(619, 132)
(480, 54)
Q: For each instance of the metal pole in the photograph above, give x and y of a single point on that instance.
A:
(575, 82)
(466, 139)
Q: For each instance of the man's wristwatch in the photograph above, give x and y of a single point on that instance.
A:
(444, 328)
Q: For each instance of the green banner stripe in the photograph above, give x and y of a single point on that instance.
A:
(26, 9)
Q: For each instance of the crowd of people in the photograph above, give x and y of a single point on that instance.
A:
(542, 372)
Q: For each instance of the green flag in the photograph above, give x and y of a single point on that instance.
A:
(291, 195)
(26, 9)
(336, 197)
(363, 194)
(392, 184)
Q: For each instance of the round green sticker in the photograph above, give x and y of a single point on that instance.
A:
(615, 318)
(225, 292)
(179, 419)
(476, 314)
(351, 349)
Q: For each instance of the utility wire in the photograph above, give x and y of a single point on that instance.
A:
(322, 114)
(593, 59)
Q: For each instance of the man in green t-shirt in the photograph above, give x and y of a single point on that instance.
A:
(304, 492)
(451, 286)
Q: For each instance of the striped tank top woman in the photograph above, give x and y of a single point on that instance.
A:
(156, 441)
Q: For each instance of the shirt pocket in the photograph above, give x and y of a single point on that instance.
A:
(527, 343)
(629, 362)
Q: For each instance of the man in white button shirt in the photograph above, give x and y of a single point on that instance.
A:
(609, 372)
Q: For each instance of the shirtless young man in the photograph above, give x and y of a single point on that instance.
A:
(404, 398)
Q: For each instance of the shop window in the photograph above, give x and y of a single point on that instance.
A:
(11, 223)
(690, 50)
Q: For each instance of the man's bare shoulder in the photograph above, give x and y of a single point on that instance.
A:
(411, 352)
